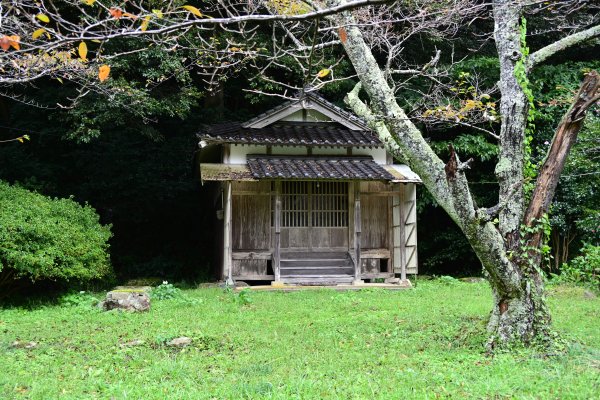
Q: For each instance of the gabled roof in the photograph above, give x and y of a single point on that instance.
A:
(291, 134)
(308, 101)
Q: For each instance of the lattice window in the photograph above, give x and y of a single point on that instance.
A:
(294, 203)
(329, 204)
(314, 204)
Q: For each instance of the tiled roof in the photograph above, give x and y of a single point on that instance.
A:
(290, 134)
(290, 167)
(225, 172)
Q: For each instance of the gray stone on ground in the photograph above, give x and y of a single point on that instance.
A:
(20, 344)
(394, 281)
(132, 288)
(134, 300)
(588, 294)
(241, 284)
(180, 342)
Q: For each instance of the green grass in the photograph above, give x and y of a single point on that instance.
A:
(421, 343)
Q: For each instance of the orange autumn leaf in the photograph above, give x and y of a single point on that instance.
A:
(129, 15)
(343, 35)
(117, 13)
(103, 72)
(14, 41)
(4, 43)
(7, 41)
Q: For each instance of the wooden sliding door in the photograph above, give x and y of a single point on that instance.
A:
(314, 215)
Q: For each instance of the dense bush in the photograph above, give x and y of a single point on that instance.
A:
(50, 239)
(584, 269)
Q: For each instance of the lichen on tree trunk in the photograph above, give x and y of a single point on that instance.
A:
(513, 112)
(523, 318)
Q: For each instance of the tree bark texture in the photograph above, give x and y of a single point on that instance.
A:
(513, 111)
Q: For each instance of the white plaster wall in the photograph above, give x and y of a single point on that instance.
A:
(378, 154)
(330, 151)
(238, 152)
(288, 150)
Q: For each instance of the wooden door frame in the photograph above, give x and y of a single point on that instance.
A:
(310, 246)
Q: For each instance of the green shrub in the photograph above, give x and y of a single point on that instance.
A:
(168, 291)
(584, 269)
(50, 239)
(78, 299)
(165, 291)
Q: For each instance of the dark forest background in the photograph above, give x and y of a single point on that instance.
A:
(129, 154)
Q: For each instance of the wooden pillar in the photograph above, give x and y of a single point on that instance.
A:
(357, 233)
(402, 232)
(277, 223)
(227, 262)
(351, 217)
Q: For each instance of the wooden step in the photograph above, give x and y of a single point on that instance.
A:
(299, 255)
(313, 260)
(315, 263)
(313, 267)
(318, 280)
(320, 276)
(321, 272)
(316, 268)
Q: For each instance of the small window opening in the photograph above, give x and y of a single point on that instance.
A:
(383, 265)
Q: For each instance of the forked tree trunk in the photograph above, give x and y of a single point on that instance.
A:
(526, 315)
(520, 313)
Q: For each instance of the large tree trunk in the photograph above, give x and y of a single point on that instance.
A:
(519, 313)
(514, 106)
(522, 314)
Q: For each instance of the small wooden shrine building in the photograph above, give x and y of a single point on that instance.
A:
(307, 194)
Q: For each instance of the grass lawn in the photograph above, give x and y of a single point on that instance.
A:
(421, 343)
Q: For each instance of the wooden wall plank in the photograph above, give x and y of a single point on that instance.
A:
(251, 217)
(243, 268)
(374, 218)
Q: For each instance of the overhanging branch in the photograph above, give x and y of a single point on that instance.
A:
(544, 53)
